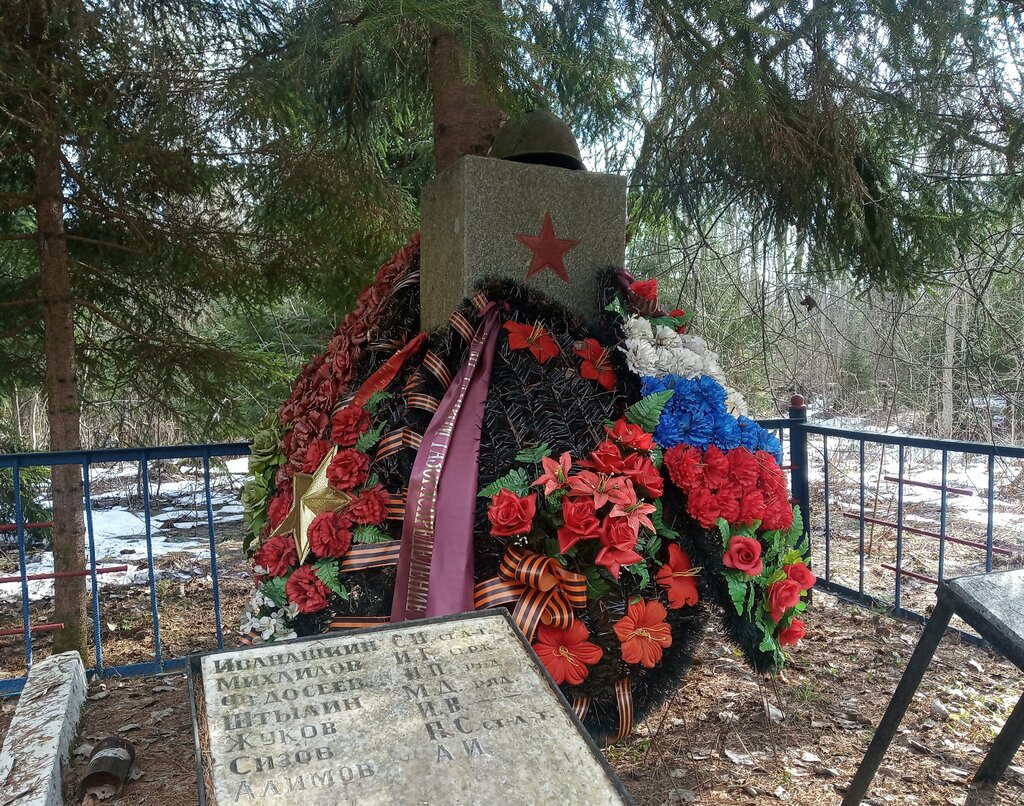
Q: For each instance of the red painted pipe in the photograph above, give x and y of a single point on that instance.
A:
(64, 574)
(38, 628)
(931, 486)
(914, 530)
(13, 527)
(922, 577)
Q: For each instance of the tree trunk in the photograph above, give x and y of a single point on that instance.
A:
(62, 406)
(465, 115)
(948, 360)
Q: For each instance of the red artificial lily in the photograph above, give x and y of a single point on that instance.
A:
(533, 338)
(643, 633)
(636, 513)
(567, 654)
(602, 487)
(677, 576)
(556, 474)
(629, 435)
(596, 364)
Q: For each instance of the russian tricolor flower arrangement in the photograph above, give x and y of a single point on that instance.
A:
(620, 488)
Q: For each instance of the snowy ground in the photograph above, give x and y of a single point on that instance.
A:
(178, 520)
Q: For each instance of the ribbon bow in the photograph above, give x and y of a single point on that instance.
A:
(542, 590)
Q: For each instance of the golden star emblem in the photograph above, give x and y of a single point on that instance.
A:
(311, 495)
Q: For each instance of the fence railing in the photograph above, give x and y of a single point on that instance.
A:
(89, 461)
(861, 476)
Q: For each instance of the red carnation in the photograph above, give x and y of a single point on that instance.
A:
(703, 507)
(279, 507)
(743, 467)
(277, 556)
(744, 554)
(645, 289)
(510, 514)
(370, 506)
(348, 470)
(793, 633)
(306, 591)
(728, 501)
(685, 467)
(716, 467)
(329, 534)
(781, 596)
(581, 523)
(315, 453)
(630, 436)
(348, 424)
(801, 575)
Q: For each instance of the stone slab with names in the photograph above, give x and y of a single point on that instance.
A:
(454, 710)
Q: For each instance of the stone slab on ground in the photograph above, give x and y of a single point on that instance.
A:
(40, 735)
(454, 710)
(473, 211)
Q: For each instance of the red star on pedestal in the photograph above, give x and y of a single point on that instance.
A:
(548, 251)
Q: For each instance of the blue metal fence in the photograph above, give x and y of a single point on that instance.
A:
(16, 463)
(807, 447)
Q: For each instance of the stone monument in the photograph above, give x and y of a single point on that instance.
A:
(551, 227)
(452, 711)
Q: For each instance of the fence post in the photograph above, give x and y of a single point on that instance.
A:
(798, 460)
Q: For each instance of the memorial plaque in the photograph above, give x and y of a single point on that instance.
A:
(455, 710)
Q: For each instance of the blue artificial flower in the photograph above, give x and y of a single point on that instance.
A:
(694, 413)
(726, 433)
(755, 438)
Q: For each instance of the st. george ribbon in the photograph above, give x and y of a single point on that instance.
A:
(435, 569)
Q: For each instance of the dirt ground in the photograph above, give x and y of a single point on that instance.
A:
(717, 742)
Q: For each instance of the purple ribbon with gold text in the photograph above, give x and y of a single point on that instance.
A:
(435, 569)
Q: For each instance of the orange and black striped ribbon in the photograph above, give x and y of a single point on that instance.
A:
(396, 505)
(460, 324)
(437, 368)
(580, 706)
(356, 622)
(386, 372)
(249, 638)
(421, 401)
(371, 555)
(479, 301)
(624, 703)
(392, 443)
(410, 278)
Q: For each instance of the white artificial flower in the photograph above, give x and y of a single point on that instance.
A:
(687, 363)
(641, 357)
(695, 343)
(735, 402)
(666, 337)
(637, 327)
(290, 611)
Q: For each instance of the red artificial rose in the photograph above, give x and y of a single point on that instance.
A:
(348, 470)
(277, 556)
(370, 506)
(645, 289)
(630, 436)
(703, 507)
(685, 467)
(744, 554)
(280, 506)
(581, 523)
(567, 654)
(618, 545)
(315, 453)
(605, 458)
(330, 534)
(801, 575)
(641, 471)
(348, 424)
(534, 338)
(782, 595)
(306, 591)
(596, 366)
(511, 515)
(793, 633)
(324, 394)
(678, 577)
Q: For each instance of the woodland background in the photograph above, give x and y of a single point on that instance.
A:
(192, 192)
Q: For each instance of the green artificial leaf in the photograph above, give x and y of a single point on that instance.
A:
(617, 306)
(534, 453)
(769, 644)
(371, 482)
(663, 529)
(641, 572)
(376, 399)
(792, 557)
(273, 589)
(369, 534)
(597, 585)
(515, 480)
(796, 531)
(646, 412)
(657, 457)
(326, 571)
(725, 531)
(738, 590)
(653, 546)
(369, 438)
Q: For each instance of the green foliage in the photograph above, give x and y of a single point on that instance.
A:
(647, 411)
(326, 571)
(369, 534)
(369, 438)
(273, 589)
(515, 481)
(534, 453)
(376, 399)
